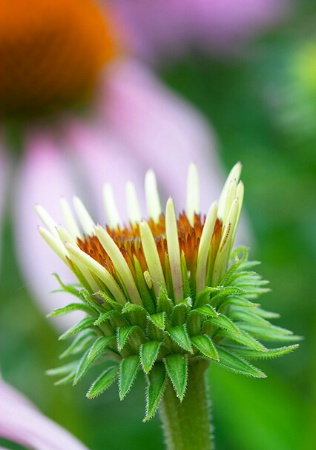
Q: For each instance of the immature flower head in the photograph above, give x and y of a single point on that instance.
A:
(51, 53)
(161, 293)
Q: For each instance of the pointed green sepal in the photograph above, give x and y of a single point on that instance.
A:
(136, 314)
(243, 338)
(177, 369)
(105, 316)
(269, 332)
(247, 315)
(193, 323)
(164, 303)
(180, 335)
(66, 380)
(99, 345)
(80, 343)
(239, 301)
(148, 354)
(103, 382)
(71, 288)
(159, 320)
(143, 288)
(87, 322)
(205, 345)
(128, 372)
(63, 370)
(156, 385)
(271, 353)
(266, 314)
(180, 313)
(222, 321)
(237, 364)
(101, 297)
(206, 310)
(123, 334)
(73, 307)
(84, 365)
(204, 296)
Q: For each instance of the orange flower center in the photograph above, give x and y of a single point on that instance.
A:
(51, 52)
(129, 242)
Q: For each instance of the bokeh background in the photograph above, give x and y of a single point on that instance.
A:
(261, 104)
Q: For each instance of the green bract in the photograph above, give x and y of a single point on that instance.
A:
(163, 293)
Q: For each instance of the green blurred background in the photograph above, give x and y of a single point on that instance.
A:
(262, 107)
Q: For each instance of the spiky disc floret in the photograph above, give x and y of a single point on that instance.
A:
(162, 293)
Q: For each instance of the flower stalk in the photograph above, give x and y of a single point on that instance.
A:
(187, 424)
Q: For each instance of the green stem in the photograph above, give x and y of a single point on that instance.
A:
(187, 425)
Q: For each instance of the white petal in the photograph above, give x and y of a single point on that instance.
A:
(55, 243)
(151, 256)
(119, 263)
(174, 251)
(204, 247)
(231, 180)
(84, 217)
(193, 193)
(113, 218)
(70, 220)
(98, 270)
(47, 220)
(133, 208)
(152, 196)
(223, 254)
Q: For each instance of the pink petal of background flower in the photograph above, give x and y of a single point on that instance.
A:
(44, 176)
(22, 423)
(171, 27)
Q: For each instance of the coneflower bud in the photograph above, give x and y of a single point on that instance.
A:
(163, 293)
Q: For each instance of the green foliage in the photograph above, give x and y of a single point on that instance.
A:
(148, 354)
(222, 325)
(156, 384)
(177, 370)
(103, 382)
(128, 372)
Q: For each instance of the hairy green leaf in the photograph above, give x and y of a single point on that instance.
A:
(148, 354)
(128, 372)
(82, 341)
(223, 321)
(158, 319)
(84, 364)
(71, 288)
(237, 364)
(73, 307)
(87, 322)
(243, 338)
(63, 370)
(105, 316)
(269, 332)
(177, 369)
(271, 353)
(206, 310)
(99, 345)
(123, 334)
(103, 382)
(180, 335)
(205, 345)
(155, 389)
